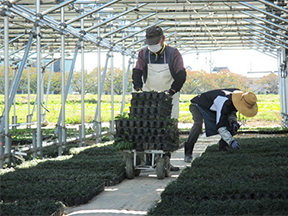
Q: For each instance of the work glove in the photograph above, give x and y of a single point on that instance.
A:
(235, 145)
(235, 128)
(169, 92)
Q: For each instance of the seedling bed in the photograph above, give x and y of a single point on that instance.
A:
(250, 181)
(66, 180)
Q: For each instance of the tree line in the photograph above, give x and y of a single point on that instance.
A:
(196, 82)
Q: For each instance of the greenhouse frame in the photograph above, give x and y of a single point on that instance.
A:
(34, 31)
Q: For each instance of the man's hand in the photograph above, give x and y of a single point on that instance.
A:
(138, 89)
(235, 145)
(170, 92)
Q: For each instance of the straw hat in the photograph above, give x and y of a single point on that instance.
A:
(245, 103)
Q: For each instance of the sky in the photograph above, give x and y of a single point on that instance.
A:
(237, 61)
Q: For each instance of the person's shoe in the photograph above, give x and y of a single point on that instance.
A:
(188, 158)
(174, 168)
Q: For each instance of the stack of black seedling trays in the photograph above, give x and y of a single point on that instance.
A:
(149, 126)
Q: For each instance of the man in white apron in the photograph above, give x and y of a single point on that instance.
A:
(160, 68)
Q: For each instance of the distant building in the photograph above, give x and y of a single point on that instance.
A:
(56, 65)
(220, 69)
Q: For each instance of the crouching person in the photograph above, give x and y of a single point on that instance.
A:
(218, 109)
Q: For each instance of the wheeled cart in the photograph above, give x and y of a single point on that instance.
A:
(152, 160)
(148, 135)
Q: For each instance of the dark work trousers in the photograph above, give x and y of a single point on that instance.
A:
(195, 131)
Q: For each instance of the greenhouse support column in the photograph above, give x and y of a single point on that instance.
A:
(132, 57)
(123, 78)
(14, 117)
(63, 80)
(42, 89)
(82, 85)
(29, 120)
(282, 65)
(39, 75)
(127, 75)
(47, 91)
(112, 85)
(103, 79)
(13, 90)
(283, 84)
(285, 87)
(285, 98)
(67, 85)
(98, 123)
(1, 150)
(6, 71)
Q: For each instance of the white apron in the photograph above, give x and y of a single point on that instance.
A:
(159, 78)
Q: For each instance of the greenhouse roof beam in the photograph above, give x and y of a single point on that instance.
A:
(91, 12)
(112, 18)
(128, 25)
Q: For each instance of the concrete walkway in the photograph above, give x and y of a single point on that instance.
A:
(137, 196)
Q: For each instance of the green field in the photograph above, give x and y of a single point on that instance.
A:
(269, 108)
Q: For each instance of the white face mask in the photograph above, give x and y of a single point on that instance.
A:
(155, 48)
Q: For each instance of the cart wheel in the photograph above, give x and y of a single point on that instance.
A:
(167, 166)
(138, 162)
(130, 170)
(129, 167)
(160, 168)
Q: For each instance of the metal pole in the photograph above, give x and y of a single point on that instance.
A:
(62, 79)
(274, 6)
(14, 39)
(1, 150)
(137, 32)
(268, 29)
(103, 80)
(39, 75)
(98, 128)
(5, 121)
(48, 89)
(269, 35)
(263, 11)
(123, 78)
(60, 118)
(112, 86)
(14, 117)
(127, 76)
(80, 136)
(90, 12)
(113, 18)
(82, 87)
(36, 100)
(267, 39)
(28, 92)
(281, 66)
(57, 7)
(126, 26)
(34, 144)
(60, 136)
(17, 80)
(266, 21)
